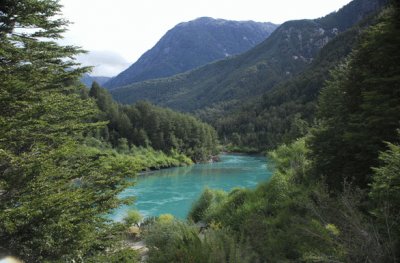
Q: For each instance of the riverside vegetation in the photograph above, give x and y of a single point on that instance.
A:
(146, 125)
(66, 154)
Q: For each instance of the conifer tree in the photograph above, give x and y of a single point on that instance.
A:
(359, 109)
(54, 192)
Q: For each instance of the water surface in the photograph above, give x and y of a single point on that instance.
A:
(174, 190)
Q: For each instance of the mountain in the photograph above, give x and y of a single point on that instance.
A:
(87, 80)
(285, 111)
(192, 44)
(289, 50)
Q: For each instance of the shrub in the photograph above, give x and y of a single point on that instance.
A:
(133, 217)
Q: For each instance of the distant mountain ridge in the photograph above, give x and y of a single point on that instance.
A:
(288, 51)
(192, 44)
(87, 80)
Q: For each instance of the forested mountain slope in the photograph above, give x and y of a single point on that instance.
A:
(192, 44)
(289, 50)
(285, 111)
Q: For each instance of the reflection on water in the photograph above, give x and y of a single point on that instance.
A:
(174, 190)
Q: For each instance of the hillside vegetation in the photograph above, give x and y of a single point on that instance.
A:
(287, 110)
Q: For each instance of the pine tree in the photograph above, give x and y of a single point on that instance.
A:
(385, 194)
(54, 192)
(359, 109)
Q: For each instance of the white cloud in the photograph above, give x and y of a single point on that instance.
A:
(106, 63)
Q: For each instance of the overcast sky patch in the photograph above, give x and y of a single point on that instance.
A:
(106, 63)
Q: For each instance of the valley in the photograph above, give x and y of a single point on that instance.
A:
(159, 154)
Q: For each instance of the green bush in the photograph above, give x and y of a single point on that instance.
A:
(125, 255)
(175, 241)
(201, 205)
(133, 217)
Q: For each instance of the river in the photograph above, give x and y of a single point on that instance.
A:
(174, 190)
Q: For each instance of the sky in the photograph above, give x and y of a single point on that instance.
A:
(117, 32)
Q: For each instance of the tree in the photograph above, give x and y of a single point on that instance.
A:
(360, 108)
(54, 192)
(385, 193)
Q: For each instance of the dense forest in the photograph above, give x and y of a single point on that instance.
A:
(333, 135)
(146, 125)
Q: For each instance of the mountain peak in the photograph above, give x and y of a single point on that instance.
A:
(204, 19)
(192, 44)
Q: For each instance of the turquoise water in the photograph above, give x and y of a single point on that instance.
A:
(174, 190)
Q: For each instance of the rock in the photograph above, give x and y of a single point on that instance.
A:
(202, 226)
(141, 248)
(214, 159)
(140, 245)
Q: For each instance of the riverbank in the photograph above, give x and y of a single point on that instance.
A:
(150, 160)
(241, 149)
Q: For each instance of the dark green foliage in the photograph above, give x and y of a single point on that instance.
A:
(193, 44)
(54, 192)
(146, 125)
(56, 211)
(385, 192)
(360, 107)
(143, 158)
(124, 255)
(345, 17)
(200, 208)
